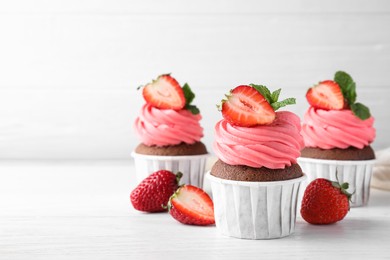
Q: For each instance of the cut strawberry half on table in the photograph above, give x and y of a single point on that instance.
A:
(245, 106)
(326, 95)
(164, 93)
(191, 205)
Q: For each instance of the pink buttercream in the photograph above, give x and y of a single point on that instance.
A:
(329, 129)
(167, 127)
(274, 146)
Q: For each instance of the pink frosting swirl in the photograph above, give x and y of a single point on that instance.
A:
(274, 146)
(167, 127)
(329, 129)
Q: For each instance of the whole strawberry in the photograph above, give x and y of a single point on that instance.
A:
(191, 205)
(154, 191)
(325, 202)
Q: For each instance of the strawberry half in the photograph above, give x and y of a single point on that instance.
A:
(191, 205)
(326, 95)
(245, 106)
(164, 93)
(154, 191)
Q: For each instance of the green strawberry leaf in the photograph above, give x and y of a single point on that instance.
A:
(263, 91)
(347, 85)
(283, 103)
(343, 187)
(188, 94)
(361, 111)
(193, 109)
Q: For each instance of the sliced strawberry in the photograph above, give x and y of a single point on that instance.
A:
(245, 106)
(165, 93)
(191, 205)
(326, 95)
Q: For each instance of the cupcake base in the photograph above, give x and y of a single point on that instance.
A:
(172, 150)
(245, 173)
(255, 210)
(356, 173)
(347, 154)
(192, 166)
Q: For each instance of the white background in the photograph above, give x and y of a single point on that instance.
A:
(69, 69)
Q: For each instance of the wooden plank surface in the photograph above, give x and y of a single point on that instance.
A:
(81, 210)
(191, 7)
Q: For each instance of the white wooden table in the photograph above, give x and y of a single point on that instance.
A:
(81, 210)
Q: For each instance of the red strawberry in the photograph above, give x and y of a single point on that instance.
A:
(191, 205)
(154, 191)
(245, 106)
(326, 95)
(325, 202)
(165, 93)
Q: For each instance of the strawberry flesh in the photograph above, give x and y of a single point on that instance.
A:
(191, 205)
(245, 106)
(164, 93)
(326, 95)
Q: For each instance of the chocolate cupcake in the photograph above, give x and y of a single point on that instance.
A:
(257, 174)
(169, 128)
(337, 132)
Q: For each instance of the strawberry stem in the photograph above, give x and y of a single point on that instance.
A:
(343, 187)
(178, 177)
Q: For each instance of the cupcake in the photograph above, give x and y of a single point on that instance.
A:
(337, 132)
(256, 180)
(170, 132)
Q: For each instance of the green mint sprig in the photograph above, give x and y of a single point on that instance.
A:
(189, 96)
(273, 97)
(348, 88)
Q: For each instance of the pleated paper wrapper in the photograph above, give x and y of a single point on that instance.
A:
(192, 166)
(356, 173)
(255, 210)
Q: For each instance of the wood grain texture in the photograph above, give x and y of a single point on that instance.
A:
(190, 7)
(80, 210)
(70, 68)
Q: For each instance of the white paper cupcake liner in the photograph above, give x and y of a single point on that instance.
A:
(192, 166)
(255, 210)
(356, 173)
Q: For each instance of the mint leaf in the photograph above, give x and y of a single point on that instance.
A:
(283, 103)
(361, 111)
(275, 95)
(188, 94)
(193, 109)
(347, 85)
(263, 91)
